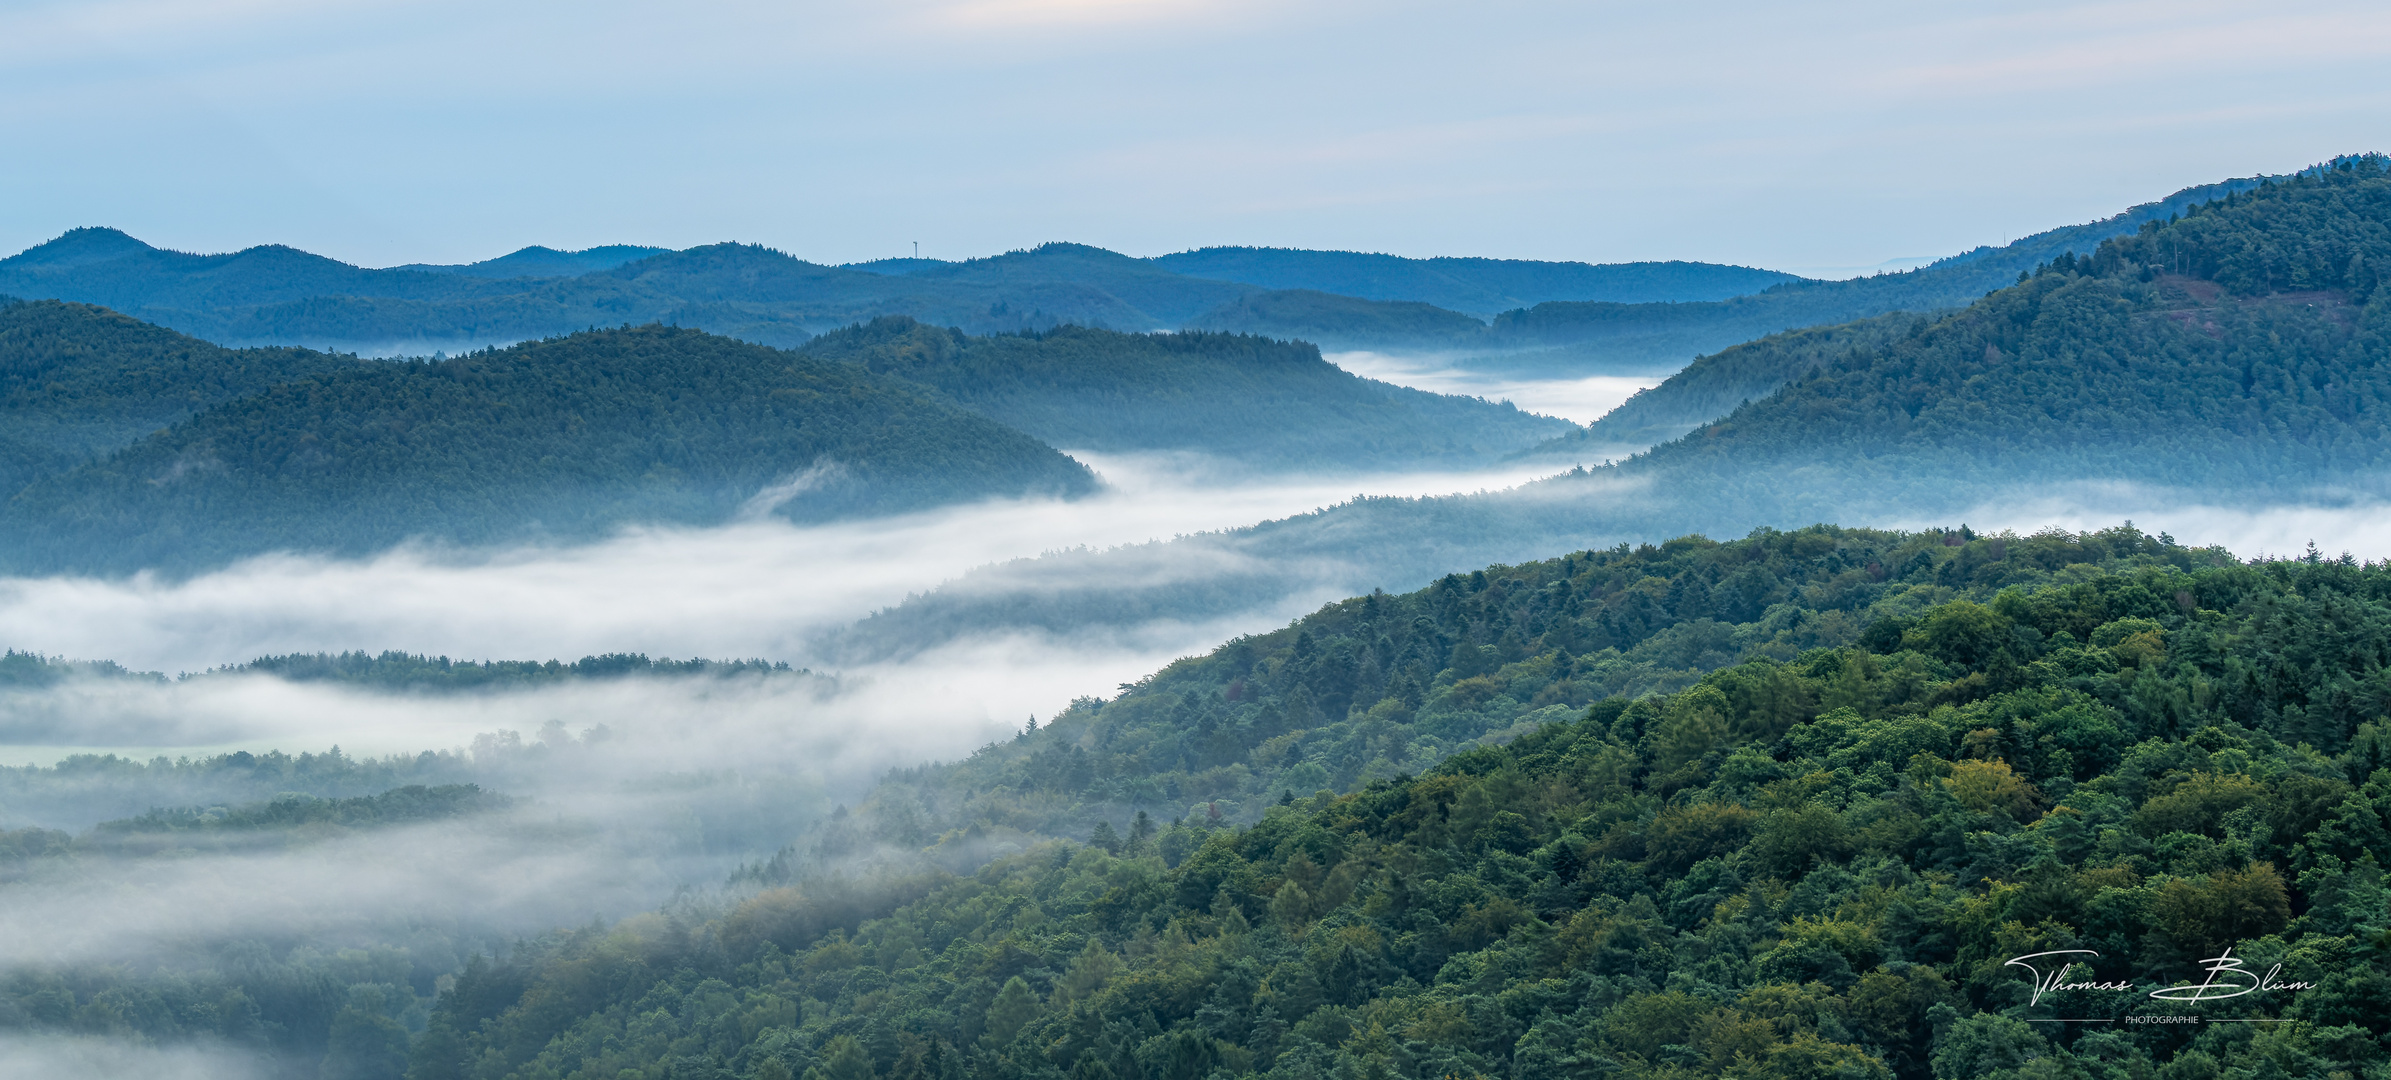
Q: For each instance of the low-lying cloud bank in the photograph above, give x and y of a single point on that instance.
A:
(746, 590)
(57, 1057)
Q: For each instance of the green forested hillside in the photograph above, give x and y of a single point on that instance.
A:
(2266, 364)
(2239, 344)
(78, 382)
(1478, 286)
(1269, 404)
(1922, 756)
(1715, 385)
(1780, 807)
(558, 438)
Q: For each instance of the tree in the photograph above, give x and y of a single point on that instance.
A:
(843, 1058)
(1015, 1006)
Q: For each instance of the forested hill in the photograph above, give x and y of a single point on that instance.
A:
(1268, 404)
(1923, 756)
(2137, 341)
(1477, 286)
(561, 438)
(1715, 385)
(2243, 349)
(78, 382)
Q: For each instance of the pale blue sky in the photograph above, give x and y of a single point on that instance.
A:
(1774, 134)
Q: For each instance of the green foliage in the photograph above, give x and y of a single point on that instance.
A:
(566, 437)
(1269, 404)
(1806, 863)
(1382, 685)
(78, 382)
(2097, 369)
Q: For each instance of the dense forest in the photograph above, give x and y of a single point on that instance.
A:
(1479, 287)
(1266, 404)
(2245, 347)
(562, 438)
(1776, 807)
(78, 382)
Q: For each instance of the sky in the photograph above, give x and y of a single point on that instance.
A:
(1794, 136)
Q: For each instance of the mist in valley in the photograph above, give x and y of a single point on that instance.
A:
(911, 639)
(622, 793)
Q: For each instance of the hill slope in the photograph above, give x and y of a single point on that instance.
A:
(1269, 404)
(2267, 365)
(1715, 385)
(1815, 862)
(564, 437)
(78, 382)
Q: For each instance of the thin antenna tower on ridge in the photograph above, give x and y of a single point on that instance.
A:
(917, 249)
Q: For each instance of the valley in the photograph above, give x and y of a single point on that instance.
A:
(1246, 662)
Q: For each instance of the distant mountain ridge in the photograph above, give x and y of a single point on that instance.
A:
(556, 439)
(537, 261)
(1547, 318)
(1474, 286)
(280, 295)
